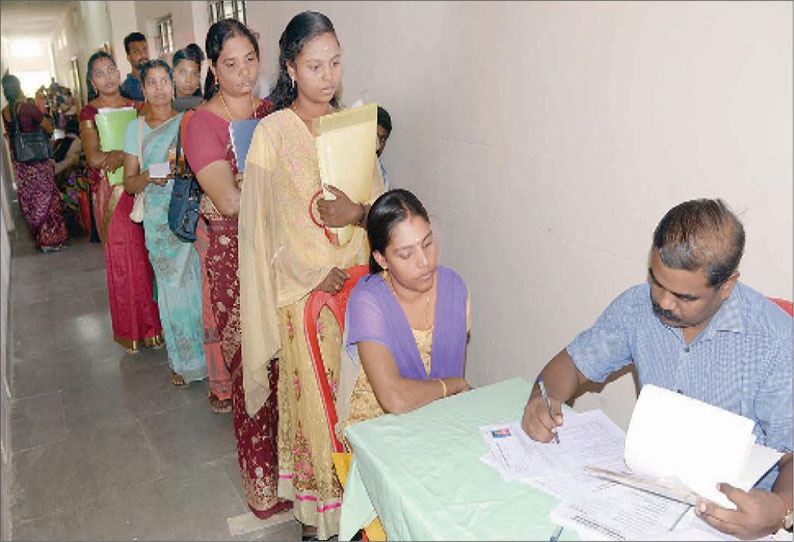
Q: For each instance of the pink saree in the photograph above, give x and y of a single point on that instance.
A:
(133, 311)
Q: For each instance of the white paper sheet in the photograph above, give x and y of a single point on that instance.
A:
(677, 438)
(159, 170)
(618, 512)
(589, 438)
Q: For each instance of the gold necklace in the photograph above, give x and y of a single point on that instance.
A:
(427, 300)
(226, 108)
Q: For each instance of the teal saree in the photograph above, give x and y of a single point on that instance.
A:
(175, 263)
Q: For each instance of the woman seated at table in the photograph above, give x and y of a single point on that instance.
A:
(407, 322)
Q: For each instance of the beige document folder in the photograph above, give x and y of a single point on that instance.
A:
(346, 154)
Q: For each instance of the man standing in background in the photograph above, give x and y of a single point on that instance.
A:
(137, 53)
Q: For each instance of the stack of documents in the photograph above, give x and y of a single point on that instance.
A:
(597, 509)
(641, 484)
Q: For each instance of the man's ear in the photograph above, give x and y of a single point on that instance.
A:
(726, 288)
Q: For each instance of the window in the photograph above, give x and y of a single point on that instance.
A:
(165, 35)
(227, 9)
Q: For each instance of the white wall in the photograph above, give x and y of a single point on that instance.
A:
(548, 139)
(148, 12)
(123, 21)
(86, 28)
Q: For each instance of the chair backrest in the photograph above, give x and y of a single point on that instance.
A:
(337, 303)
(784, 304)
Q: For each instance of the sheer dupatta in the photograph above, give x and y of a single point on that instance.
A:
(155, 144)
(283, 255)
(374, 315)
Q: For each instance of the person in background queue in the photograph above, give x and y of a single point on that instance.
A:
(233, 55)
(39, 197)
(149, 140)
(137, 54)
(133, 311)
(280, 246)
(187, 77)
(384, 131)
(694, 328)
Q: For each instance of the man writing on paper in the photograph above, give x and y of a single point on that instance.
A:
(693, 328)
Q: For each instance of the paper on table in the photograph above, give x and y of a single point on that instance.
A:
(586, 438)
(692, 527)
(618, 512)
(346, 155)
(159, 170)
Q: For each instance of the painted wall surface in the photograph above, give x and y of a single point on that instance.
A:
(80, 33)
(123, 20)
(548, 139)
(149, 12)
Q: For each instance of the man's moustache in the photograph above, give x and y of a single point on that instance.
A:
(667, 315)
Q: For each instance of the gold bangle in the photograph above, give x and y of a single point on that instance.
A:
(443, 388)
(786, 522)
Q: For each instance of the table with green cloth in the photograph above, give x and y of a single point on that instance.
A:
(421, 473)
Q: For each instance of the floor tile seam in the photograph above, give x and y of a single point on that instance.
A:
(63, 412)
(158, 413)
(33, 396)
(13, 453)
(240, 498)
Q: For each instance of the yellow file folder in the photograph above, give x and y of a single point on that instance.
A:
(346, 155)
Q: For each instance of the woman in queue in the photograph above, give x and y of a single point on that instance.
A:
(147, 141)
(233, 53)
(38, 195)
(284, 257)
(187, 77)
(188, 96)
(407, 322)
(133, 311)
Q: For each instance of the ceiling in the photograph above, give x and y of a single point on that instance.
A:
(34, 19)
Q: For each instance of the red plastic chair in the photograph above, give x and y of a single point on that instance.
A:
(784, 304)
(337, 304)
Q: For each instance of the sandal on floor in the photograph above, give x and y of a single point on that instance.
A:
(177, 380)
(130, 350)
(220, 406)
(309, 532)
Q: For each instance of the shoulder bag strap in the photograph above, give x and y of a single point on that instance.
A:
(140, 144)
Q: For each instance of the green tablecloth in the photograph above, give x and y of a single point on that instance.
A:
(423, 474)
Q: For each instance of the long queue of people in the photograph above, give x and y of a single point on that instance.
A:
(230, 306)
(208, 301)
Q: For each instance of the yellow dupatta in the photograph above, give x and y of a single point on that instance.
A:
(283, 255)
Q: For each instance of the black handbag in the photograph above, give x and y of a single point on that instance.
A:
(30, 146)
(183, 209)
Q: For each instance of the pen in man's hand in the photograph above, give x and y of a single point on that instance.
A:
(548, 403)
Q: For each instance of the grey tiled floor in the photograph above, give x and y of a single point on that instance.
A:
(103, 447)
